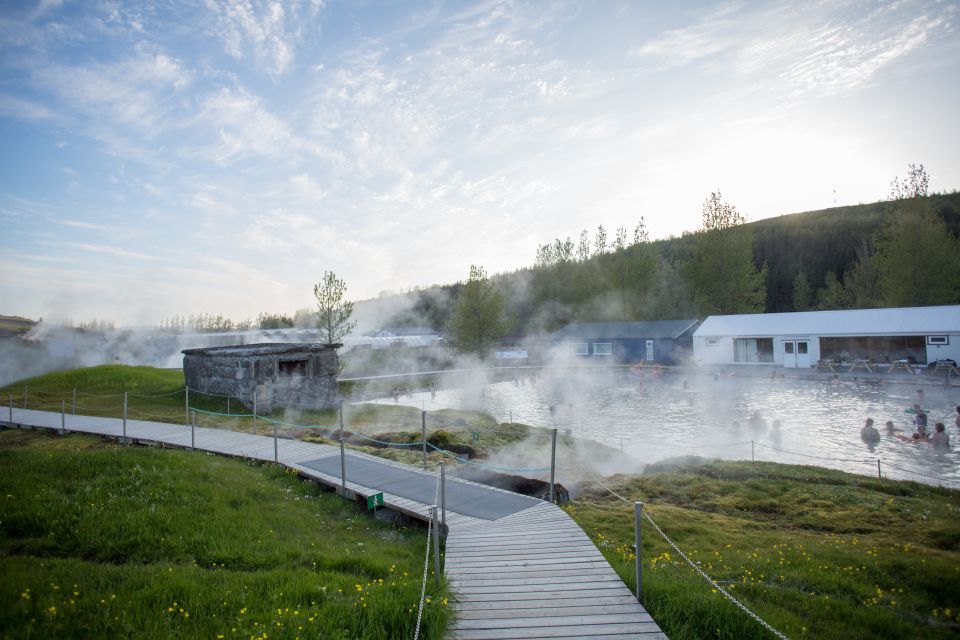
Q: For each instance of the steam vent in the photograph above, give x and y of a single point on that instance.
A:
(280, 374)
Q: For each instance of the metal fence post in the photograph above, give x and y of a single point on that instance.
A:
(63, 417)
(423, 436)
(186, 405)
(254, 412)
(878, 468)
(343, 456)
(753, 457)
(228, 405)
(193, 428)
(436, 543)
(637, 512)
(443, 495)
(553, 462)
(74, 411)
(276, 449)
(124, 417)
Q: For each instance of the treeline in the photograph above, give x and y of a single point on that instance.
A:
(208, 323)
(900, 252)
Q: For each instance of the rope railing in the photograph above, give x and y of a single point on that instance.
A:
(917, 473)
(812, 457)
(157, 395)
(483, 465)
(426, 566)
(713, 583)
(152, 415)
(226, 415)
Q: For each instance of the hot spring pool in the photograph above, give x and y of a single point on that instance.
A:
(694, 413)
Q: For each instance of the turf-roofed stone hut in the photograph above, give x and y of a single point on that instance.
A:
(276, 374)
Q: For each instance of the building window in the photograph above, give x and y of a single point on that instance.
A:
(293, 368)
(875, 348)
(602, 349)
(938, 340)
(712, 342)
(753, 350)
(802, 348)
(580, 349)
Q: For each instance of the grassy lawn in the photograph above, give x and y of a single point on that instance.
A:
(101, 540)
(816, 553)
(158, 395)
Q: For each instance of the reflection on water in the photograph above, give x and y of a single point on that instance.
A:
(654, 418)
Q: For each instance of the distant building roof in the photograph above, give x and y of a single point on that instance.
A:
(861, 322)
(263, 349)
(409, 331)
(644, 329)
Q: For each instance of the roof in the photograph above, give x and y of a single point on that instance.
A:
(263, 349)
(860, 322)
(410, 331)
(645, 329)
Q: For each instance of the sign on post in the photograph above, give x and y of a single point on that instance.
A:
(374, 501)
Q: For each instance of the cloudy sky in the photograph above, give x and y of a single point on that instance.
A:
(164, 158)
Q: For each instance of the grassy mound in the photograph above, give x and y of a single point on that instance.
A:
(99, 540)
(816, 553)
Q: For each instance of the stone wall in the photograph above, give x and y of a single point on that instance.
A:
(276, 374)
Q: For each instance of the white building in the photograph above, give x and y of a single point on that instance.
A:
(917, 334)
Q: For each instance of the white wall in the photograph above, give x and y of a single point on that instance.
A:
(951, 351)
(723, 352)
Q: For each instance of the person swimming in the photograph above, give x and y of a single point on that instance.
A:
(940, 439)
(869, 433)
(756, 422)
(889, 427)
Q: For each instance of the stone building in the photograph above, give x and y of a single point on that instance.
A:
(278, 374)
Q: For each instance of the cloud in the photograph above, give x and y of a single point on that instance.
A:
(132, 92)
(106, 250)
(25, 108)
(267, 31)
(245, 128)
(839, 59)
(827, 49)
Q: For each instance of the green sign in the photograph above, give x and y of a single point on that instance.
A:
(374, 501)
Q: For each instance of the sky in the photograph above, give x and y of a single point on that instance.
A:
(164, 158)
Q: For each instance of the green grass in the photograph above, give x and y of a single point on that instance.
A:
(100, 540)
(158, 395)
(816, 553)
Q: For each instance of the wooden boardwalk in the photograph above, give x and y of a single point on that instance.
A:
(530, 574)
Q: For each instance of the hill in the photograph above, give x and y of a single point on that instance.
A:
(646, 280)
(14, 326)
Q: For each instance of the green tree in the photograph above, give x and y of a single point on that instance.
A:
(832, 295)
(862, 281)
(333, 312)
(721, 271)
(802, 293)
(477, 323)
(916, 255)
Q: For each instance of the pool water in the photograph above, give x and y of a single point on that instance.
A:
(653, 418)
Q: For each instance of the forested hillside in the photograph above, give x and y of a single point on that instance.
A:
(833, 258)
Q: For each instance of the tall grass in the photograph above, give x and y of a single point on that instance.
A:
(99, 540)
